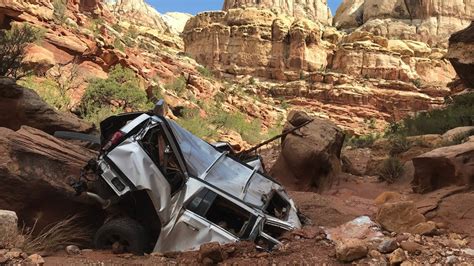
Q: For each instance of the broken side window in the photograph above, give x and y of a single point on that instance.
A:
(273, 230)
(222, 212)
(277, 206)
(158, 147)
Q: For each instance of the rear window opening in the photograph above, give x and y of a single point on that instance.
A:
(221, 212)
(158, 147)
(278, 206)
(274, 231)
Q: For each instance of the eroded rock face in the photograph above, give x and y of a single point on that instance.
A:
(428, 21)
(461, 54)
(452, 165)
(42, 9)
(315, 10)
(256, 42)
(35, 169)
(139, 12)
(310, 157)
(21, 106)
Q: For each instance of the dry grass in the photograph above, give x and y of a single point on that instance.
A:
(69, 231)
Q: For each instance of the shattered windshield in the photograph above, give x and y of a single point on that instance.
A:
(225, 173)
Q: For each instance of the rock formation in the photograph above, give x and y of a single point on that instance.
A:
(176, 21)
(429, 21)
(452, 165)
(310, 157)
(461, 54)
(21, 106)
(138, 12)
(255, 41)
(35, 169)
(315, 10)
(369, 74)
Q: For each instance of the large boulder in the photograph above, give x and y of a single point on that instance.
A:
(461, 54)
(8, 228)
(399, 217)
(452, 165)
(35, 169)
(21, 106)
(310, 156)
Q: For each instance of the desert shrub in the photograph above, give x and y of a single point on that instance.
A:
(69, 231)
(417, 82)
(59, 10)
(205, 72)
(399, 144)
(178, 85)
(249, 130)
(459, 113)
(120, 91)
(12, 45)
(364, 141)
(49, 91)
(95, 25)
(252, 81)
(119, 45)
(391, 170)
(200, 127)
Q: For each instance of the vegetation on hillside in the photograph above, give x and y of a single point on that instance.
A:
(118, 93)
(12, 46)
(219, 120)
(459, 113)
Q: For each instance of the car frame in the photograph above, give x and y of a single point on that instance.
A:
(150, 171)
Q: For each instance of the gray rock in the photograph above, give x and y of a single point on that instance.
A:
(8, 227)
(452, 260)
(73, 250)
(387, 246)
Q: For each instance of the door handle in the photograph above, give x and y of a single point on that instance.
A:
(192, 227)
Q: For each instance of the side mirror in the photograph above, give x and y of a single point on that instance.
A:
(160, 108)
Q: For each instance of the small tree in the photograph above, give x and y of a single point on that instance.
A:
(119, 92)
(12, 46)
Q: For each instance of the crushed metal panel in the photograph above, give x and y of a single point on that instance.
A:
(138, 167)
(190, 231)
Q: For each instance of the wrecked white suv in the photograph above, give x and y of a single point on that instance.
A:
(167, 190)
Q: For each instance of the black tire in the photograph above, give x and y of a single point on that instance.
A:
(129, 233)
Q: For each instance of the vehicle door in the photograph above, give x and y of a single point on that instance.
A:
(209, 217)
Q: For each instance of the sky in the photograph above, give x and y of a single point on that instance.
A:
(196, 6)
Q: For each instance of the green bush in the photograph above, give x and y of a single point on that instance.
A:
(205, 72)
(120, 91)
(59, 10)
(417, 82)
(364, 141)
(459, 113)
(250, 131)
(195, 124)
(49, 91)
(178, 85)
(399, 144)
(391, 170)
(12, 45)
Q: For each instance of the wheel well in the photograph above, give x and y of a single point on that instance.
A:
(138, 206)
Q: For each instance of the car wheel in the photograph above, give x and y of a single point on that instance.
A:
(122, 235)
